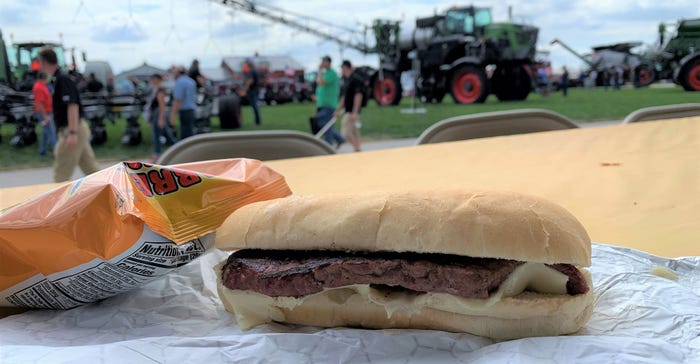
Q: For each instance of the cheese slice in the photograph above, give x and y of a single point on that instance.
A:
(252, 309)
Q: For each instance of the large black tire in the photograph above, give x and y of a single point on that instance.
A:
(689, 75)
(511, 83)
(644, 75)
(25, 134)
(432, 94)
(98, 132)
(468, 85)
(438, 96)
(132, 133)
(387, 91)
(230, 112)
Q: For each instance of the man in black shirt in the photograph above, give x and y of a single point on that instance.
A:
(250, 88)
(94, 85)
(351, 102)
(73, 146)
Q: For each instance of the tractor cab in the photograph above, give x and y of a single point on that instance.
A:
(467, 20)
(24, 61)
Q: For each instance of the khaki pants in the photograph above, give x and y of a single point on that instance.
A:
(350, 132)
(78, 154)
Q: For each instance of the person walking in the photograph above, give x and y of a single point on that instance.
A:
(327, 96)
(73, 146)
(251, 87)
(195, 74)
(542, 81)
(184, 102)
(619, 77)
(43, 109)
(155, 109)
(592, 79)
(352, 103)
(565, 81)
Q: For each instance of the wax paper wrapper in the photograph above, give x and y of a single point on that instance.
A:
(639, 317)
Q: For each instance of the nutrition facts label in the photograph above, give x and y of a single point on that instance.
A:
(150, 257)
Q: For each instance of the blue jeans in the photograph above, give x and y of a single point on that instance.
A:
(323, 116)
(186, 123)
(48, 135)
(157, 132)
(252, 96)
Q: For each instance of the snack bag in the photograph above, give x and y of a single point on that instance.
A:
(120, 228)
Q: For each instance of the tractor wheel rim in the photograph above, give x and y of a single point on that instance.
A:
(644, 76)
(694, 77)
(385, 91)
(467, 87)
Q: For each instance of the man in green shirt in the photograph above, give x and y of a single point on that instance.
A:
(327, 95)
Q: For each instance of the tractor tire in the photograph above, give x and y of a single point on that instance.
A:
(25, 134)
(229, 112)
(469, 85)
(511, 83)
(387, 91)
(644, 75)
(689, 76)
(437, 97)
(98, 134)
(132, 133)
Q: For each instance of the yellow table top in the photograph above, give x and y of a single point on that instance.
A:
(634, 185)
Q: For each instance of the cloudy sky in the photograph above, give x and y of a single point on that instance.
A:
(160, 32)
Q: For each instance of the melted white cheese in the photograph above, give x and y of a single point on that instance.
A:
(253, 309)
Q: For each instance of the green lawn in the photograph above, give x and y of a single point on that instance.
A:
(382, 122)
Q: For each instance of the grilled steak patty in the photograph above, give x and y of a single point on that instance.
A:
(298, 273)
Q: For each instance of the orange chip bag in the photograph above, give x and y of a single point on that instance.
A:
(120, 228)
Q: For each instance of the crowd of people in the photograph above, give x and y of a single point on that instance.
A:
(58, 109)
(612, 77)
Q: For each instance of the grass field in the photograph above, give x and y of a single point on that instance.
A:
(381, 122)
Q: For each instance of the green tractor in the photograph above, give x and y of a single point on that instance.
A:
(24, 61)
(450, 53)
(683, 49)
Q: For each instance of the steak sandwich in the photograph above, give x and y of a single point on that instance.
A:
(497, 264)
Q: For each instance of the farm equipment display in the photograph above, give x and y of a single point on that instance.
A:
(21, 69)
(606, 57)
(450, 52)
(676, 56)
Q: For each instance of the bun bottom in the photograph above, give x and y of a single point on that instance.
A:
(526, 315)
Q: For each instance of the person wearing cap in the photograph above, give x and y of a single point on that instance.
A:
(327, 95)
(250, 88)
(184, 102)
(73, 146)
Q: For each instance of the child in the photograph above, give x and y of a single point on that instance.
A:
(43, 109)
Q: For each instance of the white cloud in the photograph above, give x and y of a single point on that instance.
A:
(117, 29)
(167, 32)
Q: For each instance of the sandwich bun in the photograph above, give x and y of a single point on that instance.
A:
(480, 224)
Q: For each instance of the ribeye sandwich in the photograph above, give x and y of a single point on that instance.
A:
(496, 264)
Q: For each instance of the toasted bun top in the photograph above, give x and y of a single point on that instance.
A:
(485, 224)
